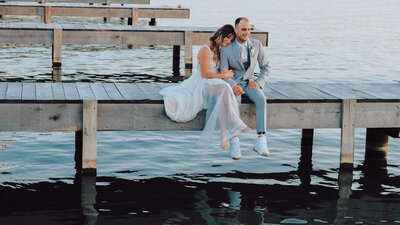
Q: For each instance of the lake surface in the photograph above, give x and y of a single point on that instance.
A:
(163, 178)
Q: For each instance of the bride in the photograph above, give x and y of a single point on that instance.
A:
(205, 89)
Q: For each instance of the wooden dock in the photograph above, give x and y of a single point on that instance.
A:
(47, 11)
(84, 1)
(61, 34)
(86, 108)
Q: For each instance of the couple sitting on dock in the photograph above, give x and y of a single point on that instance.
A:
(226, 71)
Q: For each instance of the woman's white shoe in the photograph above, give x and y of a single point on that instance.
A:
(261, 146)
(235, 148)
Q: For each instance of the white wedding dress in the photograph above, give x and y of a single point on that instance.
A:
(182, 103)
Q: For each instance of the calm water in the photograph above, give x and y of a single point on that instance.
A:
(161, 178)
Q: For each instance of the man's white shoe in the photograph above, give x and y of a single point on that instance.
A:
(235, 148)
(261, 146)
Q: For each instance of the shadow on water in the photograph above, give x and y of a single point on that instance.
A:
(88, 77)
(165, 200)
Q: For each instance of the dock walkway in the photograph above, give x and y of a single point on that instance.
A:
(87, 108)
(84, 1)
(47, 11)
(60, 34)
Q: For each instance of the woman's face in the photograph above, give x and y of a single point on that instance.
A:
(227, 40)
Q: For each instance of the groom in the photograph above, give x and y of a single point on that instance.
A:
(242, 56)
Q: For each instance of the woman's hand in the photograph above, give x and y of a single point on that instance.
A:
(227, 73)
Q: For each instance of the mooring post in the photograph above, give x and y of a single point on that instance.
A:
(78, 151)
(47, 14)
(133, 20)
(305, 164)
(188, 49)
(153, 22)
(347, 134)
(2, 17)
(107, 19)
(376, 147)
(89, 137)
(57, 47)
(176, 56)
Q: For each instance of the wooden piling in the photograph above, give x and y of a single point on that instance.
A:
(134, 19)
(107, 19)
(89, 137)
(47, 14)
(57, 47)
(78, 151)
(376, 147)
(176, 56)
(153, 22)
(305, 163)
(347, 134)
(188, 49)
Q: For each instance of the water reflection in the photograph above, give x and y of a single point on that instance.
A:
(110, 200)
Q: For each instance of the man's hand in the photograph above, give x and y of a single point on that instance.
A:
(237, 90)
(253, 85)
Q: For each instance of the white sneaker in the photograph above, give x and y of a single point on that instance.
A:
(261, 146)
(235, 148)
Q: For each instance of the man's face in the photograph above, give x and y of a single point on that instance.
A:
(243, 31)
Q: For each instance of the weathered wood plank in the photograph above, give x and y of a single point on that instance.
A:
(28, 91)
(112, 91)
(3, 90)
(150, 90)
(141, 117)
(381, 91)
(89, 135)
(71, 91)
(40, 117)
(14, 91)
(348, 133)
(291, 94)
(378, 114)
(88, 1)
(130, 91)
(58, 91)
(339, 91)
(99, 91)
(272, 94)
(85, 92)
(44, 91)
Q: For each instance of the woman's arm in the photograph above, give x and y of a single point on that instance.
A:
(204, 61)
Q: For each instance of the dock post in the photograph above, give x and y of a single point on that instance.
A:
(89, 137)
(347, 134)
(305, 164)
(2, 17)
(107, 19)
(47, 14)
(188, 50)
(57, 47)
(134, 19)
(376, 148)
(153, 22)
(78, 151)
(176, 56)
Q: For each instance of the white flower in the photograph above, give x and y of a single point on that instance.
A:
(251, 50)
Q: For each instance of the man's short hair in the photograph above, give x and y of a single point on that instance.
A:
(238, 20)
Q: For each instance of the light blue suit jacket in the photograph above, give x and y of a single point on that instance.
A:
(230, 58)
